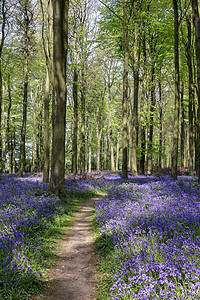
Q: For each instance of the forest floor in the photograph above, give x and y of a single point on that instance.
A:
(73, 277)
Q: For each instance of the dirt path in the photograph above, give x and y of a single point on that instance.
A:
(74, 276)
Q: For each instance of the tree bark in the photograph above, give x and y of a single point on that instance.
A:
(188, 53)
(99, 128)
(46, 168)
(182, 127)
(22, 158)
(83, 98)
(143, 93)
(3, 132)
(3, 10)
(152, 104)
(8, 127)
(90, 149)
(134, 136)
(125, 94)
(160, 123)
(75, 100)
(47, 51)
(75, 131)
(60, 40)
(14, 147)
(195, 10)
(177, 91)
(117, 153)
(110, 127)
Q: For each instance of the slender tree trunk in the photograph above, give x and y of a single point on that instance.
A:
(75, 131)
(152, 109)
(188, 52)
(90, 149)
(125, 94)
(37, 145)
(134, 136)
(107, 152)
(86, 151)
(60, 30)
(177, 90)
(14, 147)
(83, 97)
(8, 127)
(99, 128)
(34, 98)
(3, 132)
(143, 149)
(195, 10)
(152, 105)
(46, 169)
(1, 101)
(3, 22)
(117, 153)
(110, 128)
(182, 127)
(98, 149)
(143, 93)
(41, 139)
(160, 123)
(22, 159)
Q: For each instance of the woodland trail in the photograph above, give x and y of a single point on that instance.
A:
(73, 278)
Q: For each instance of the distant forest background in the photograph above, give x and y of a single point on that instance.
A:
(132, 80)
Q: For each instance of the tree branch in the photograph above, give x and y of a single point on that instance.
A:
(111, 10)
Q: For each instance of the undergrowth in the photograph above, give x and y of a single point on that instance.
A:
(31, 222)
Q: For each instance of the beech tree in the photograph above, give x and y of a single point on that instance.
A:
(120, 118)
(25, 25)
(3, 24)
(60, 35)
(125, 93)
(195, 10)
(177, 90)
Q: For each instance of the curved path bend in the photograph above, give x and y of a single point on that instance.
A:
(73, 278)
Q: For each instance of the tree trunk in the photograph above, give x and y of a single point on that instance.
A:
(188, 53)
(177, 88)
(3, 132)
(3, 21)
(8, 127)
(75, 131)
(41, 164)
(110, 128)
(83, 97)
(34, 98)
(98, 149)
(160, 123)
(182, 127)
(134, 136)
(90, 149)
(60, 30)
(22, 158)
(195, 10)
(117, 153)
(46, 169)
(125, 94)
(99, 128)
(152, 105)
(14, 147)
(47, 52)
(143, 93)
